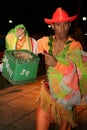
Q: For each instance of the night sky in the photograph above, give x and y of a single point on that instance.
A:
(31, 13)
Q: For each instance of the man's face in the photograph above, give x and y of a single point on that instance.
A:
(20, 33)
(61, 29)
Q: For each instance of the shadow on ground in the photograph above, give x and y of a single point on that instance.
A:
(4, 83)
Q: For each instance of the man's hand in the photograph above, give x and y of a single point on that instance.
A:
(50, 60)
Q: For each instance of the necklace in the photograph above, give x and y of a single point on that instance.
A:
(20, 43)
(50, 51)
(50, 45)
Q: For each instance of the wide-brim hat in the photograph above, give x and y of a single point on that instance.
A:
(60, 15)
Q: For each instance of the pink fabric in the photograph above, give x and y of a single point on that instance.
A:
(84, 58)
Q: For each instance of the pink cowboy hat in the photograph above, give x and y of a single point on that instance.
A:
(60, 16)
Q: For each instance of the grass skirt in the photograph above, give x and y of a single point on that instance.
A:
(58, 112)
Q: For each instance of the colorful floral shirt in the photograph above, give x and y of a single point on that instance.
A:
(68, 79)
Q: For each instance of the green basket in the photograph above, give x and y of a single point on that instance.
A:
(18, 70)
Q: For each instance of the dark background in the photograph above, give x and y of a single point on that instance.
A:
(31, 13)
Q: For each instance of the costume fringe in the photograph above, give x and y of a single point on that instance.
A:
(57, 111)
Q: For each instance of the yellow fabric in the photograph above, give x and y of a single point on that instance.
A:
(11, 42)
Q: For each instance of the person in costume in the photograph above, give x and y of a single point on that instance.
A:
(66, 82)
(18, 39)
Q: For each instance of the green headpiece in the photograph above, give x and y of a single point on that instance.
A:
(17, 27)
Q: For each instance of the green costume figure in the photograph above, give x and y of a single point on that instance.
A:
(18, 38)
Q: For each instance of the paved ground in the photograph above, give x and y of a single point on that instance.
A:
(18, 108)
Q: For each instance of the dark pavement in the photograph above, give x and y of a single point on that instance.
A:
(18, 108)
